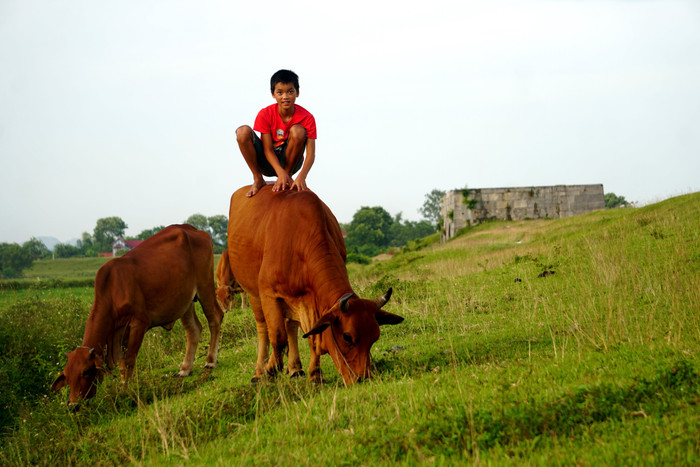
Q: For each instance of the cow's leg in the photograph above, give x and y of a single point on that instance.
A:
(263, 340)
(215, 316)
(294, 364)
(137, 330)
(277, 333)
(193, 329)
(315, 374)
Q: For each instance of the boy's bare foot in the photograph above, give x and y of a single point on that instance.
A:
(255, 187)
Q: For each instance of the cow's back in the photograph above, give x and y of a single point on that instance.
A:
(277, 230)
(163, 273)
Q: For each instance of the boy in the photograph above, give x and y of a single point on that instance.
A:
(286, 130)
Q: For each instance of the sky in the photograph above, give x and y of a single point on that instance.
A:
(130, 108)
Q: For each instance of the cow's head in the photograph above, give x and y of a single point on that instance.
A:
(225, 294)
(82, 372)
(353, 326)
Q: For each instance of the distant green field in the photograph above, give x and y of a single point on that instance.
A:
(68, 268)
(559, 342)
(65, 268)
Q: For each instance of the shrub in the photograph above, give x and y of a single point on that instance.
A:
(35, 334)
(14, 259)
(614, 201)
(358, 258)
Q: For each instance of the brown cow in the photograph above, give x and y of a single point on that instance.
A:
(155, 284)
(226, 285)
(287, 252)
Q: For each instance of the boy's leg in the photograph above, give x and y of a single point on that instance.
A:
(296, 143)
(244, 137)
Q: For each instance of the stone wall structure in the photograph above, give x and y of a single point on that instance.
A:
(461, 208)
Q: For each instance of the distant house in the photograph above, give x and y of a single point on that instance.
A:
(122, 246)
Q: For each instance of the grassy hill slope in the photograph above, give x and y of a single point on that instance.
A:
(554, 341)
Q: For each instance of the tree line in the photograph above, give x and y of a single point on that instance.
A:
(108, 229)
(372, 231)
(15, 258)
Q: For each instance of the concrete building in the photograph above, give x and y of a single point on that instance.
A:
(470, 207)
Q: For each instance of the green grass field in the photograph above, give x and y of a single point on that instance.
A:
(65, 268)
(572, 341)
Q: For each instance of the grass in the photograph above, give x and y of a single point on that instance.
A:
(570, 341)
(65, 268)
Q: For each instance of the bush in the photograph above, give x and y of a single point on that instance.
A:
(358, 258)
(614, 201)
(14, 259)
(415, 245)
(35, 334)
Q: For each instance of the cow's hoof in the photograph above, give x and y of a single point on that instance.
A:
(297, 374)
(255, 380)
(210, 366)
(182, 374)
(317, 378)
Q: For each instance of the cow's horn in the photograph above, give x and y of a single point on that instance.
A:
(91, 352)
(344, 302)
(381, 301)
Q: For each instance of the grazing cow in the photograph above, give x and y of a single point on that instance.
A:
(287, 252)
(226, 285)
(155, 284)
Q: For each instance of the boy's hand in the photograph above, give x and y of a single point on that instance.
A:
(284, 182)
(300, 184)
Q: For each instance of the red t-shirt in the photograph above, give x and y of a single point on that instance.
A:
(269, 121)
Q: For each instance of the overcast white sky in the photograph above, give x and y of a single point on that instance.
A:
(129, 108)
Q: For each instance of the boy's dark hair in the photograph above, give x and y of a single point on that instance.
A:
(284, 77)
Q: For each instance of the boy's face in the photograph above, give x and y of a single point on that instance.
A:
(285, 94)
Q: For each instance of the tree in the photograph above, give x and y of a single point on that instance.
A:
(64, 250)
(86, 245)
(369, 233)
(149, 232)
(432, 206)
(218, 226)
(614, 201)
(36, 248)
(404, 232)
(198, 221)
(107, 230)
(14, 259)
(373, 230)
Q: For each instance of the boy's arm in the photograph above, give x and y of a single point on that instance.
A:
(283, 180)
(300, 181)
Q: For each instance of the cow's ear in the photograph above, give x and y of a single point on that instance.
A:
(59, 382)
(321, 325)
(384, 317)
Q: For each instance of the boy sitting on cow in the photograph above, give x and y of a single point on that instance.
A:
(286, 130)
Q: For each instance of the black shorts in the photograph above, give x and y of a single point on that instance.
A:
(280, 151)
